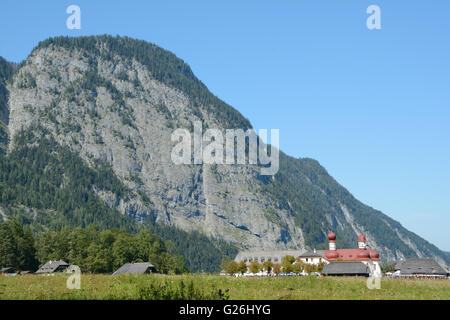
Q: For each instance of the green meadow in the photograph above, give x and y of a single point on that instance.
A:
(205, 287)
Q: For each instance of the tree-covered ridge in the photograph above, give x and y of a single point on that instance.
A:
(163, 65)
(47, 176)
(6, 72)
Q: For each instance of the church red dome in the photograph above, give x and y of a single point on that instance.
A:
(361, 238)
(374, 254)
(332, 236)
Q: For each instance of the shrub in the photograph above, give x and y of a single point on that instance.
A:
(169, 290)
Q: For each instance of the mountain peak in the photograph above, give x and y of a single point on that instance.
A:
(164, 66)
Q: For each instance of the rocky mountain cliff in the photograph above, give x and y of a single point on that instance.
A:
(116, 101)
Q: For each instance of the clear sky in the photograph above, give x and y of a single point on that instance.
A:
(372, 106)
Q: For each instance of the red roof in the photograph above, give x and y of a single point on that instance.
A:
(331, 236)
(352, 254)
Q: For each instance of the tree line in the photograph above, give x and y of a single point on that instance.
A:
(94, 251)
(288, 264)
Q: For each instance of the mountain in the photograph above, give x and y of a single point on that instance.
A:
(101, 110)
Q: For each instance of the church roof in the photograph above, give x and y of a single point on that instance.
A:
(346, 268)
(352, 254)
(309, 254)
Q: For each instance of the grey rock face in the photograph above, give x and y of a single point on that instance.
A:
(135, 138)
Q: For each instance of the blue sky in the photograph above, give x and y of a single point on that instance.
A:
(372, 106)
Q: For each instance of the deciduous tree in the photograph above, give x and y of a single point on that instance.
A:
(242, 267)
(276, 268)
(254, 266)
(232, 267)
(286, 263)
(267, 266)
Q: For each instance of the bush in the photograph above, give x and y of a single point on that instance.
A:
(170, 290)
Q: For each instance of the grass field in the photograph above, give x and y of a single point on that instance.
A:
(199, 287)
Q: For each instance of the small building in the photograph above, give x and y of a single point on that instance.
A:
(349, 268)
(275, 256)
(9, 271)
(136, 268)
(53, 267)
(420, 268)
(313, 257)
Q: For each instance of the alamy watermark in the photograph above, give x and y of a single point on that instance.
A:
(74, 281)
(374, 20)
(374, 280)
(74, 20)
(241, 147)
